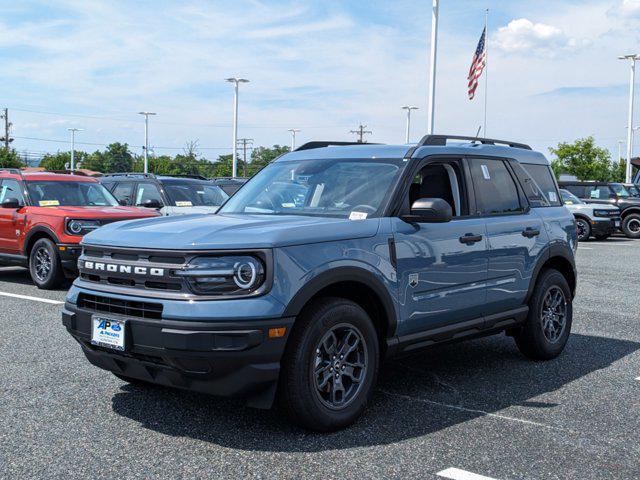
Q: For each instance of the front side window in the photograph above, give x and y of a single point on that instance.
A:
(346, 188)
(495, 189)
(599, 192)
(194, 194)
(71, 194)
(11, 189)
(633, 191)
(146, 192)
(124, 192)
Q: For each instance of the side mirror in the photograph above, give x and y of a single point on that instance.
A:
(123, 202)
(429, 210)
(11, 202)
(151, 203)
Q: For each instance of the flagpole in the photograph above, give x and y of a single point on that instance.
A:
(431, 103)
(486, 68)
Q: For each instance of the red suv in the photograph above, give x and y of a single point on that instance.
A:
(43, 217)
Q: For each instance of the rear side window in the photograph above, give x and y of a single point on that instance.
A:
(495, 189)
(545, 183)
(577, 190)
(599, 192)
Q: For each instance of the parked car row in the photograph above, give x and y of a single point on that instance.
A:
(601, 208)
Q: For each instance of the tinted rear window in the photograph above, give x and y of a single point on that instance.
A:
(543, 178)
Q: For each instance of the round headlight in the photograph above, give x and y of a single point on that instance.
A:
(245, 274)
(75, 226)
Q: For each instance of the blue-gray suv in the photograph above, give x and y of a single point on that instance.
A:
(327, 262)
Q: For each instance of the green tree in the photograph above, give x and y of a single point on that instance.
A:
(222, 168)
(583, 159)
(263, 156)
(115, 158)
(60, 160)
(9, 158)
(619, 171)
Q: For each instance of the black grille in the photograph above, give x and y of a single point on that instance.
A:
(116, 306)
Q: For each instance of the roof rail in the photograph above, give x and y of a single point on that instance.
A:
(130, 174)
(441, 140)
(67, 172)
(322, 144)
(12, 171)
(195, 177)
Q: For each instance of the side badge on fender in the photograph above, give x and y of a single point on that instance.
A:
(413, 280)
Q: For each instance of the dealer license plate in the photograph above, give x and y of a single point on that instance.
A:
(617, 222)
(108, 332)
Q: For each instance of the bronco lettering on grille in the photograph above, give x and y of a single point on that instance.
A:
(128, 269)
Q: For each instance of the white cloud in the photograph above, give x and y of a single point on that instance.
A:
(627, 8)
(524, 36)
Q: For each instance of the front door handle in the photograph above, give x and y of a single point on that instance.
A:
(530, 232)
(470, 238)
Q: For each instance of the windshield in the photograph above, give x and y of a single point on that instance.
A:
(620, 190)
(70, 194)
(194, 194)
(569, 198)
(347, 188)
(633, 191)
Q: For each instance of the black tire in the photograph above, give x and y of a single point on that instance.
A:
(534, 341)
(44, 265)
(602, 237)
(631, 225)
(302, 398)
(584, 229)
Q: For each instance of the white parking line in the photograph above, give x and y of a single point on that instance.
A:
(33, 299)
(457, 474)
(584, 248)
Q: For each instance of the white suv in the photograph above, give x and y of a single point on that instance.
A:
(592, 219)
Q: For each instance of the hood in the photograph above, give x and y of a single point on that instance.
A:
(170, 210)
(194, 232)
(95, 212)
(588, 207)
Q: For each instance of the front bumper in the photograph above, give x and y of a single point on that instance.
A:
(235, 358)
(604, 226)
(69, 254)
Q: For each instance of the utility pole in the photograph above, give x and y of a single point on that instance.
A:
(361, 132)
(408, 108)
(7, 127)
(146, 139)
(432, 70)
(293, 137)
(236, 82)
(73, 147)
(633, 58)
(245, 143)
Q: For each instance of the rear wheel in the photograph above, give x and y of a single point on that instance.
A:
(548, 325)
(631, 225)
(584, 229)
(330, 366)
(44, 265)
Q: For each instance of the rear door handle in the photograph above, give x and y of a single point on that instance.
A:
(470, 238)
(530, 232)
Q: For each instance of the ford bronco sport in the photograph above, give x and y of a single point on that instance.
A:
(592, 219)
(381, 251)
(43, 217)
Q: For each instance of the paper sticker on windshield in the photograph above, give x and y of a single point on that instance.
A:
(595, 193)
(553, 197)
(184, 204)
(288, 205)
(485, 172)
(357, 216)
(49, 203)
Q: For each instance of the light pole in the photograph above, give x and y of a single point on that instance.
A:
(293, 137)
(236, 82)
(408, 108)
(146, 139)
(633, 58)
(73, 147)
(432, 70)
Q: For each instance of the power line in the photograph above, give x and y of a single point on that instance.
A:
(7, 126)
(245, 143)
(106, 144)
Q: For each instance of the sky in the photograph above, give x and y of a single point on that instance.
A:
(323, 67)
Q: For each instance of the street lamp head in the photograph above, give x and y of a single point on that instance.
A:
(410, 107)
(237, 80)
(631, 56)
(147, 113)
(75, 129)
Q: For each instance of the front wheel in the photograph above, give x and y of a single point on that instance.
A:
(631, 225)
(584, 229)
(44, 265)
(548, 325)
(330, 365)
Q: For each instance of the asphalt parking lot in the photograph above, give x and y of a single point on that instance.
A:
(472, 408)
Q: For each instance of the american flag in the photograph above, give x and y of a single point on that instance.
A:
(477, 65)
